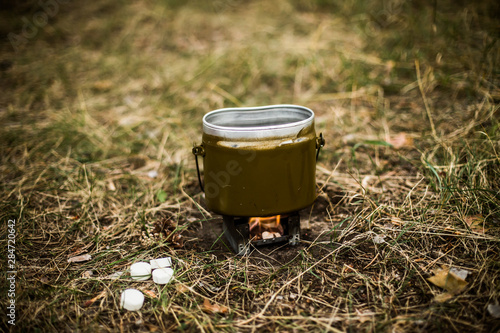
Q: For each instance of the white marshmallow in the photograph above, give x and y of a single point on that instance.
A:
(161, 263)
(140, 271)
(163, 275)
(132, 299)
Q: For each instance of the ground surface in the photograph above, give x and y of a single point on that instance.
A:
(102, 101)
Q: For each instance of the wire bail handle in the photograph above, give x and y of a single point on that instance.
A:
(320, 143)
(199, 151)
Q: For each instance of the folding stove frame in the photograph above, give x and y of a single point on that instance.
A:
(237, 232)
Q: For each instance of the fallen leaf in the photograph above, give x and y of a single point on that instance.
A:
(181, 288)
(441, 298)
(401, 140)
(476, 223)
(92, 301)
(103, 85)
(446, 279)
(150, 293)
(83, 257)
(213, 308)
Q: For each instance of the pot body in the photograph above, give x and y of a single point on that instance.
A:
(259, 161)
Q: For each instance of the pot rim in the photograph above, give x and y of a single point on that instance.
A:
(270, 121)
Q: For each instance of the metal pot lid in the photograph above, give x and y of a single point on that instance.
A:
(272, 121)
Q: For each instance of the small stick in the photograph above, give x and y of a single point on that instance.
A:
(427, 109)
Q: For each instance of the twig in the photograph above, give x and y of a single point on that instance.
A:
(427, 109)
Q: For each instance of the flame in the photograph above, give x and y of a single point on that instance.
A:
(265, 227)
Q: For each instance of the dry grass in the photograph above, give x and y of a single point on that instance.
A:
(108, 92)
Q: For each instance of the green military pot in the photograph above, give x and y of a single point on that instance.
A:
(259, 161)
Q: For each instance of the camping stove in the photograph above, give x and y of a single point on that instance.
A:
(259, 171)
(242, 232)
